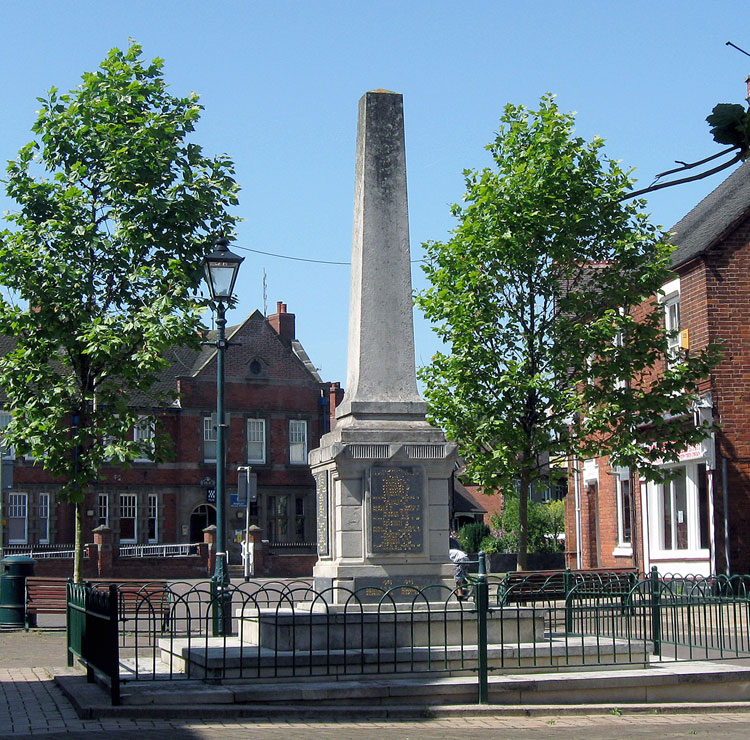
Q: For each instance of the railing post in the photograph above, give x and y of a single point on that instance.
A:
(655, 610)
(113, 648)
(481, 601)
(68, 626)
(216, 615)
(567, 587)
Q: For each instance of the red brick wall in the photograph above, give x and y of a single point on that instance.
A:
(284, 389)
(728, 310)
(714, 306)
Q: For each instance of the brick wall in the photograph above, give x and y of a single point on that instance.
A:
(263, 379)
(728, 310)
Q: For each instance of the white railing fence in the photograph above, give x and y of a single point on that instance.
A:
(158, 551)
(125, 551)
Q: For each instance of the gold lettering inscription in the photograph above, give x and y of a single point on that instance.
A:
(396, 510)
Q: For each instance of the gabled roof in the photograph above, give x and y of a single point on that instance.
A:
(716, 214)
(464, 501)
(187, 362)
(207, 352)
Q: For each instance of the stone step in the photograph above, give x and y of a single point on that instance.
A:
(669, 687)
(229, 658)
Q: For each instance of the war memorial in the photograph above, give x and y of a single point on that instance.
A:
(383, 474)
(381, 619)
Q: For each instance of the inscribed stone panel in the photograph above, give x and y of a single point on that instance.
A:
(395, 509)
(321, 488)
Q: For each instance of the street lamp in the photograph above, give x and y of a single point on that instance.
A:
(221, 267)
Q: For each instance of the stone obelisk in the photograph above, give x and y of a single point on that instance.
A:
(383, 475)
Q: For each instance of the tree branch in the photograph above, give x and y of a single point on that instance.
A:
(686, 166)
(737, 158)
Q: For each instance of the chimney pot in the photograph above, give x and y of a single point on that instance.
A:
(283, 322)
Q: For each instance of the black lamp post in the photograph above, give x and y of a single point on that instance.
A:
(221, 268)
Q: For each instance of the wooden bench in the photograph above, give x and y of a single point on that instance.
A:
(524, 587)
(135, 599)
(44, 596)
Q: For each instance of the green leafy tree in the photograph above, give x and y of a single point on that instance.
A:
(470, 536)
(533, 296)
(546, 522)
(101, 262)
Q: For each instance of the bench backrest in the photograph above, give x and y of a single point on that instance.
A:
(527, 586)
(49, 594)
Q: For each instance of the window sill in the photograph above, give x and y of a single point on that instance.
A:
(623, 551)
(680, 554)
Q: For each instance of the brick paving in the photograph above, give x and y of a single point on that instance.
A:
(31, 705)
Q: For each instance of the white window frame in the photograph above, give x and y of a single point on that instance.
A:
(668, 494)
(144, 430)
(256, 435)
(126, 509)
(44, 512)
(297, 442)
(153, 513)
(18, 508)
(209, 435)
(7, 451)
(693, 550)
(623, 482)
(670, 300)
(620, 383)
(102, 505)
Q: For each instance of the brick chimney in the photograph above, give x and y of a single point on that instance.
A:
(335, 397)
(283, 322)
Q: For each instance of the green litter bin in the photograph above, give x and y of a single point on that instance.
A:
(15, 569)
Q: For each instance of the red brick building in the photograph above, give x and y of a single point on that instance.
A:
(277, 409)
(698, 522)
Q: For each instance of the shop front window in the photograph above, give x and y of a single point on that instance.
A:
(278, 518)
(675, 515)
(285, 518)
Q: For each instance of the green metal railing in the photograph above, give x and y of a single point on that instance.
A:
(282, 630)
(92, 633)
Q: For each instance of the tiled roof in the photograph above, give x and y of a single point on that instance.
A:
(718, 212)
(488, 503)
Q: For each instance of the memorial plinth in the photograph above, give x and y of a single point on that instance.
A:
(383, 474)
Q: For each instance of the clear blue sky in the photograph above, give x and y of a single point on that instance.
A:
(280, 83)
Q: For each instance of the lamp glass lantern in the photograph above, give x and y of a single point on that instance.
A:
(221, 267)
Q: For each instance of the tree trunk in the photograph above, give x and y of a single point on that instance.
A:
(78, 554)
(523, 520)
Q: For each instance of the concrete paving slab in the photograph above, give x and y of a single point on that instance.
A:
(31, 701)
